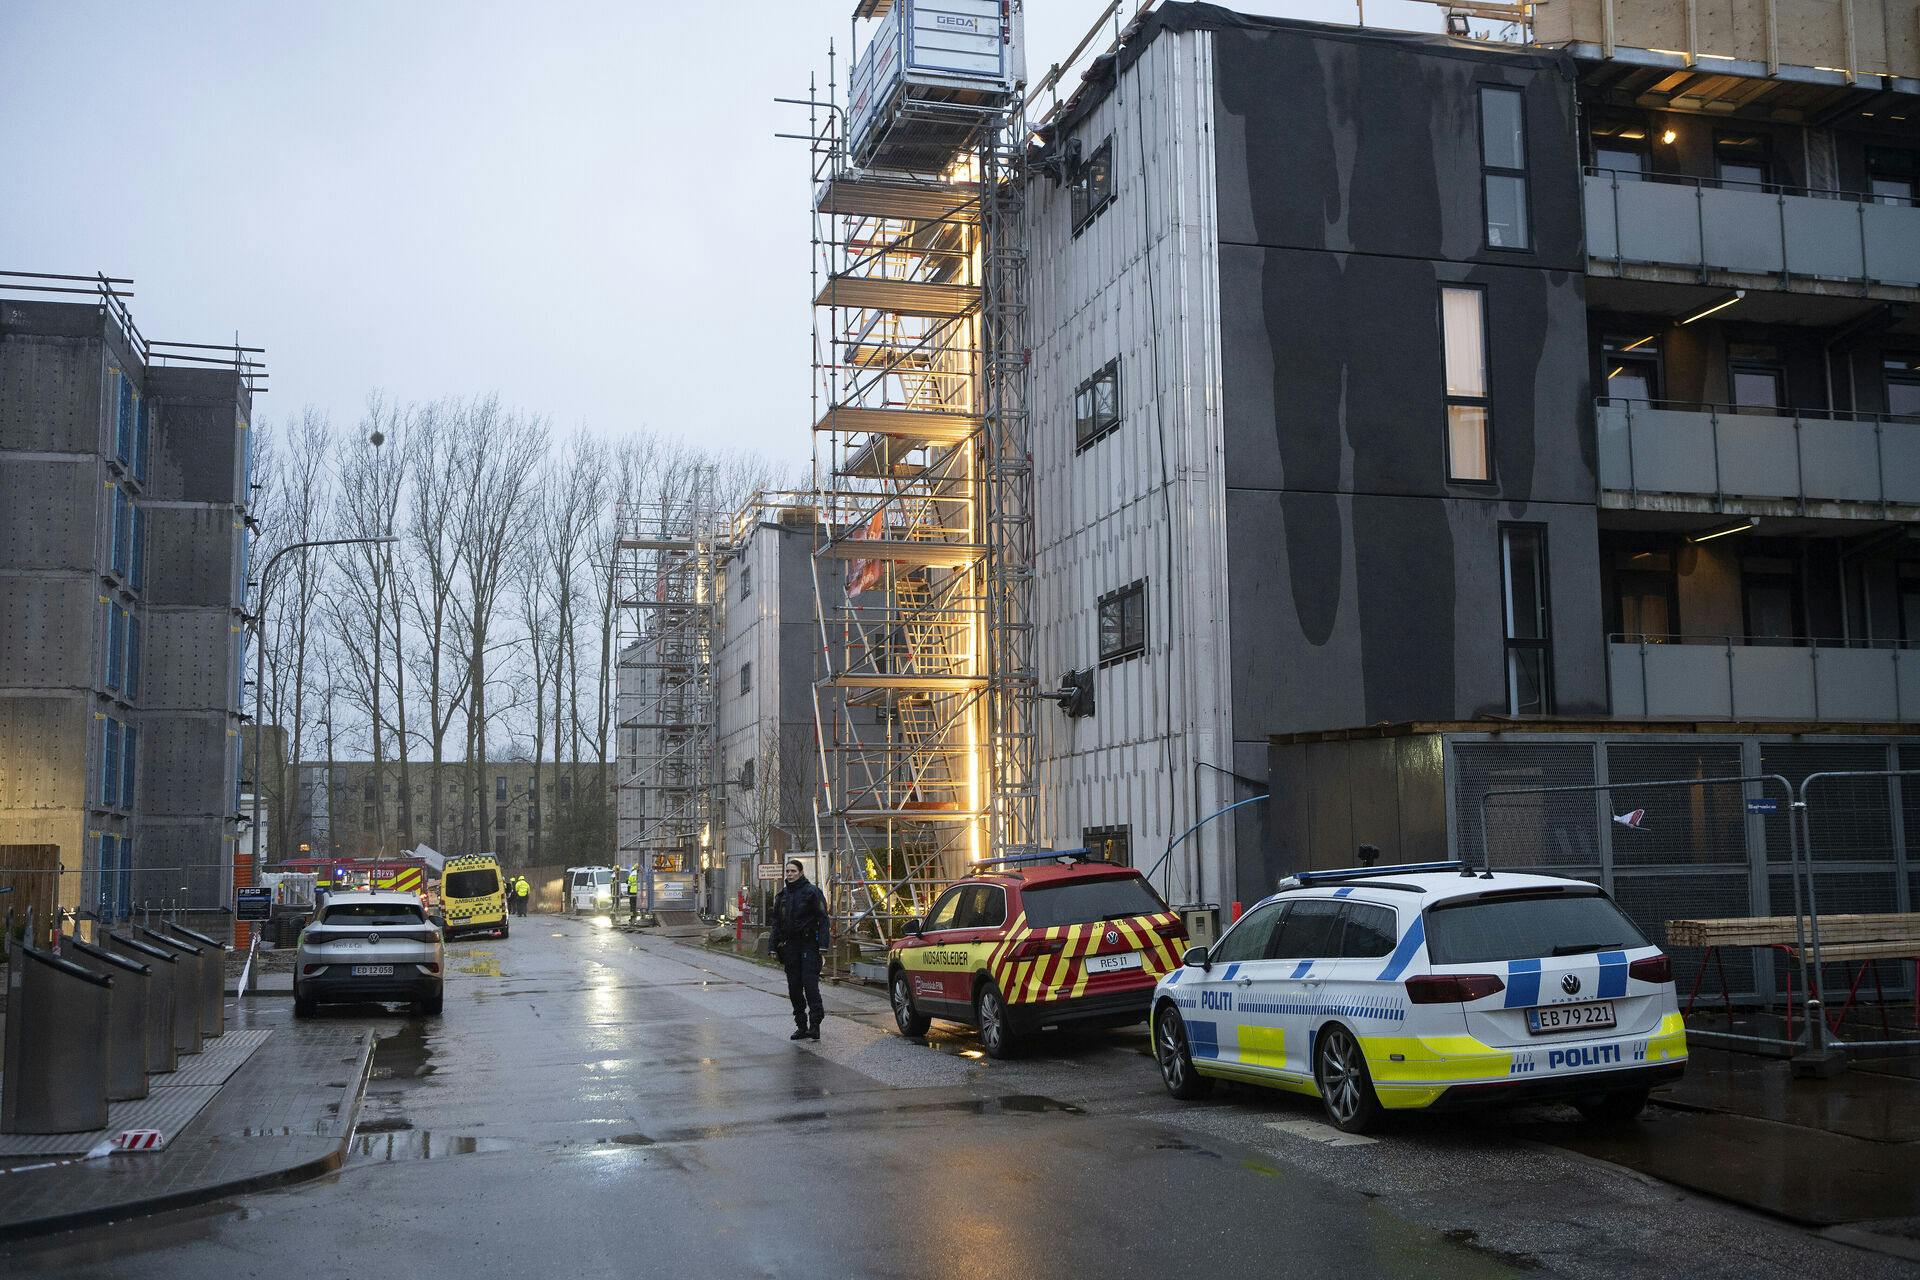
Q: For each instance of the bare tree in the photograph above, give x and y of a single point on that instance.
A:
(434, 550)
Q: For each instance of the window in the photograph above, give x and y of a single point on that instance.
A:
(1085, 901)
(1464, 348)
(1742, 161)
(1096, 406)
(1527, 928)
(128, 737)
(1110, 844)
(944, 911)
(1523, 564)
(1893, 175)
(499, 817)
(1771, 599)
(1371, 931)
(116, 641)
(566, 787)
(1631, 368)
(481, 883)
(1310, 932)
(1251, 938)
(122, 531)
(1756, 377)
(746, 773)
(746, 677)
(499, 787)
(1091, 185)
(368, 914)
(1645, 597)
(1620, 150)
(366, 789)
(533, 816)
(980, 906)
(1902, 375)
(124, 418)
(1123, 623)
(366, 818)
(746, 581)
(1503, 167)
(1907, 585)
(110, 762)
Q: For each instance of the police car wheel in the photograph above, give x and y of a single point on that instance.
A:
(1176, 1057)
(1611, 1108)
(911, 1022)
(1346, 1090)
(990, 1016)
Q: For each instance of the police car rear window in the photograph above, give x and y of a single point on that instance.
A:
(471, 884)
(1085, 901)
(1527, 927)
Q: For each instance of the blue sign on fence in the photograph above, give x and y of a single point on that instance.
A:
(1763, 806)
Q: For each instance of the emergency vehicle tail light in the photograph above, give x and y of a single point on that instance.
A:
(1033, 948)
(1652, 969)
(1453, 988)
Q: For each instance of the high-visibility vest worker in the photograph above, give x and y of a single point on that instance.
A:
(633, 882)
(520, 886)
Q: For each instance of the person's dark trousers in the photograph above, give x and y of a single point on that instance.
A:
(803, 987)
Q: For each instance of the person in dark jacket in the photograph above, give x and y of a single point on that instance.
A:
(798, 936)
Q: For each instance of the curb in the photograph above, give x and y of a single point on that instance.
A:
(319, 1166)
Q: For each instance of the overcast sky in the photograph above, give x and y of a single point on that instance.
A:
(579, 204)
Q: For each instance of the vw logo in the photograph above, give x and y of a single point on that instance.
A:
(373, 939)
(1113, 936)
(1570, 984)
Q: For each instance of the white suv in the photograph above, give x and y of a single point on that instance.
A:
(369, 946)
(1426, 985)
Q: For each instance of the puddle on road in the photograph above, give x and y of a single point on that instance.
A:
(418, 1144)
(1008, 1104)
(404, 1055)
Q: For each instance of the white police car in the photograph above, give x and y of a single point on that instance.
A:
(1426, 985)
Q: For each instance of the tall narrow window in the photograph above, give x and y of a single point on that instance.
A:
(133, 656)
(1464, 343)
(1091, 185)
(1503, 165)
(128, 737)
(746, 677)
(1902, 374)
(746, 581)
(116, 640)
(110, 763)
(1123, 623)
(1523, 563)
(1096, 406)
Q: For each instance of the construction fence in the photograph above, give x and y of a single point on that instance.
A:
(1737, 856)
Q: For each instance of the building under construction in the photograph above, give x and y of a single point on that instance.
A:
(925, 698)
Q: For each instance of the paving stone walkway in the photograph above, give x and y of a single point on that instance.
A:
(286, 1114)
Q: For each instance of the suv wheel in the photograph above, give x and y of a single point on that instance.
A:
(1346, 1089)
(303, 1006)
(1176, 1057)
(990, 1015)
(912, 1022)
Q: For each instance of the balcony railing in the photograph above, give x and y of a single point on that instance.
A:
(1728, 451)
(1751, 229)
(1730, 678)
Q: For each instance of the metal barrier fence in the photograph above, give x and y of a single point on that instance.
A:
(70, 898)
(1735, 876)
(86, 1025)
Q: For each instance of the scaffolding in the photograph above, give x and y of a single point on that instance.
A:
(667, 557)
(927, 682)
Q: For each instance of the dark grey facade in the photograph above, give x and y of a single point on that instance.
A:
(123, 508)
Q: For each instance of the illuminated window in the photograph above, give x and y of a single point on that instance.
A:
(1464, 345)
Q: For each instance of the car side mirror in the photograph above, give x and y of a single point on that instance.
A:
(912, 926)
(1198, 958)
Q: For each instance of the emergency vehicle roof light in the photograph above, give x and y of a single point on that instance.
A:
(1303, 878)
(1063, 856)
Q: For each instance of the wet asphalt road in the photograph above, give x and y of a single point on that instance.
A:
(594, 1103)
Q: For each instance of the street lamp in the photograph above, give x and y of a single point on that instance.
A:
(260, 676)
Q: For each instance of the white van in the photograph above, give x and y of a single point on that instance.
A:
(589, 889)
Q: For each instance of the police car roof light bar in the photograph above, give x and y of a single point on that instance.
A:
(1367, 873)
(1044, 855)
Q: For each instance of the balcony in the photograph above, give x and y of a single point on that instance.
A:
(1727, 678)
(1675, 456)
(1748, 234)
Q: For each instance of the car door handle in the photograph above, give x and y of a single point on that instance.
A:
(1246, 982)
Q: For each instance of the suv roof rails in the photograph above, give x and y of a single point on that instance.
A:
(1302, 879)
(1065, 856)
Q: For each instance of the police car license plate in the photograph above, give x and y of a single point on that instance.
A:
(1113, 964)
(1569, 1017)
(373, 971)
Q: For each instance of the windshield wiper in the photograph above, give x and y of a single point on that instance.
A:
(1581, 948)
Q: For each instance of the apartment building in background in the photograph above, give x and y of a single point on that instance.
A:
(1416, 415)
(125, 495)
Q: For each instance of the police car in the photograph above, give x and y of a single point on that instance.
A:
(1034, 941)
(1423, 986)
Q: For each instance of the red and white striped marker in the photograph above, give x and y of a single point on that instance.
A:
(139, 1140)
